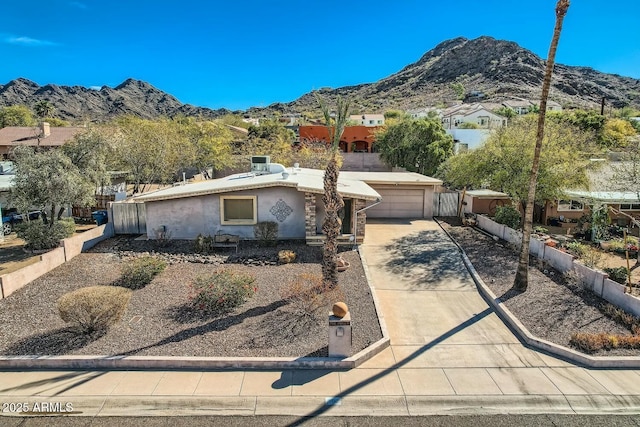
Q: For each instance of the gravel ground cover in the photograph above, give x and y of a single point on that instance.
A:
(158, 322)
(553, 307)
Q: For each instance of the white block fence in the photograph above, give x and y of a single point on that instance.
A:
(597, 281)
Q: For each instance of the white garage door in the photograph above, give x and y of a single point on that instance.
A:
(398, 203)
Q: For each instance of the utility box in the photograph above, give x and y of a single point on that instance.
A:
(340, 335)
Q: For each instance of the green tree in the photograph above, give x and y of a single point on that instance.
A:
(48, 181)
(504, 161)
(153, 151)
(332, 199)
(270, 138)
(233, 120)
(418, 145)
(616, 133)
(458, 89)
(16, 115)
(505, 112)
(92, 152)
(211, 142)
(521, 280)
(43, 109)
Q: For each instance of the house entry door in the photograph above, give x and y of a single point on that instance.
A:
(345, 216)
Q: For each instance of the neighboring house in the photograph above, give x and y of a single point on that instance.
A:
(524, 106)
(455, 116)
(291, 197)
(42, 136)
(519, 106)
(603, 190)
(468, 139)
(368, 119)
(484, 201)
(359, 139)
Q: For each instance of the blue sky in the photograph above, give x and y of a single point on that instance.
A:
(253, 53)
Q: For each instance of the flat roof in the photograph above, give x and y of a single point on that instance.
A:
(605, 196)
(302, 179)
(391, 178)
(486, 193)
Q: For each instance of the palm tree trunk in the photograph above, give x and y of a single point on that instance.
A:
(331, 225)
(521, 281)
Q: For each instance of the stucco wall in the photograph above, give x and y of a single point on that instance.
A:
(188, 217)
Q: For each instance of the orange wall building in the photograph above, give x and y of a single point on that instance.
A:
(357, 139)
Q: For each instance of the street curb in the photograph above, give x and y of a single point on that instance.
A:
(531, 340)
(204, 363)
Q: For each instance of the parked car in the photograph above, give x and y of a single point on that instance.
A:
(11, 217)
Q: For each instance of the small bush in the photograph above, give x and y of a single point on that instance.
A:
(39, 235)
(286, 256)
(509, 216)
(617, 274)
(620, 316)
(222, 292)
(95, 308)
(591, 343)
(307, 295)
(140, 272)
(203, 244)
(576, 248)
(266, 232)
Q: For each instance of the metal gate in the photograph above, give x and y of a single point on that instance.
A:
(445, 204)
(129, 218)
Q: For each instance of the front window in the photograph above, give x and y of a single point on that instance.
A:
(630, 207)
(238, 210)
(569, 205)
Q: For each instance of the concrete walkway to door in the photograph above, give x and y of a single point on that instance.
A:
(446, 340)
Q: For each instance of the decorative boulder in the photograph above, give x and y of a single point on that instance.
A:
(340, 309)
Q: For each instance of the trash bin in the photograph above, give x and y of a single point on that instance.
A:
(100, 217)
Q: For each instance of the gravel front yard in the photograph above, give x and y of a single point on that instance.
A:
(157, 321)
(553, 307)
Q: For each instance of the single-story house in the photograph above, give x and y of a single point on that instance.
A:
(292, 197)
(43, 136)
(484, 201)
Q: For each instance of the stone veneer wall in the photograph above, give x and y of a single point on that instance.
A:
(361, 218)
(310, 214)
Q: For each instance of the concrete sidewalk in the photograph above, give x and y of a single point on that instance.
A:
(449, 354)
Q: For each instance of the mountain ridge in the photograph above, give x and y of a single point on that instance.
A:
(496, 69)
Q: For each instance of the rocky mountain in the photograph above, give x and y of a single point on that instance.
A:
(77, 103)
(489, 70)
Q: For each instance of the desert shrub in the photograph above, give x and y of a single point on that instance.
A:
(203, 244)
(222, 291)
(617, 274)
(509, 216)
(590, 343)
(576, 248)
(39, 235)
(592, 257)
(620, 316)
(140, 272)
(307, 295)
(286, 256)
(266, 232)
(95, 308)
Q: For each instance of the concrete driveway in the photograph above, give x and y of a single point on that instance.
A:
(441, 330)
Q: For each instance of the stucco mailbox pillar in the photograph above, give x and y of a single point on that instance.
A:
(340, 335)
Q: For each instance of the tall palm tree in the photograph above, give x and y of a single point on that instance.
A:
(522, 274)
(332, 200)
